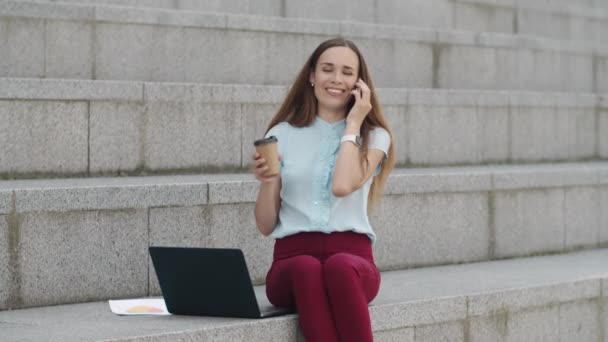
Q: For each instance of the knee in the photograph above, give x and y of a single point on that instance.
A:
(339, 267)
(304, 264)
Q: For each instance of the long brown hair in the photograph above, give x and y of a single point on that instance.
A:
(300, 109)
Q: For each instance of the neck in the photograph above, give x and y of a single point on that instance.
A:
(331, 116)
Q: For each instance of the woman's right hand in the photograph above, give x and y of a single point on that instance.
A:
(260, 166)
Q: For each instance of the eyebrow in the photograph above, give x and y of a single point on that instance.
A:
(332, 64)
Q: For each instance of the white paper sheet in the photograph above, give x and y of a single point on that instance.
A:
(141, 306)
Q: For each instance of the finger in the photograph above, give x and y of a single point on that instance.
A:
(362, 84)
(356, 94)
(367, 94)
(259, 160)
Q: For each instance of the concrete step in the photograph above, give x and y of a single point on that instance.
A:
(548, 298)
(75, 240)
(60, 128)
(572, 20)
(47, 40)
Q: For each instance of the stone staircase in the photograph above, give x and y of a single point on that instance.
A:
(127, 124)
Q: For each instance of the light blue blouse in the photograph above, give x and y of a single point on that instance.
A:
(307, 202)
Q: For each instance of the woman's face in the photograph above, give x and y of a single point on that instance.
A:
(334, 77)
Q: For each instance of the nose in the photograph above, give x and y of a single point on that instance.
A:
(337, 78)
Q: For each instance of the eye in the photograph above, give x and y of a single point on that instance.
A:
(326, 70)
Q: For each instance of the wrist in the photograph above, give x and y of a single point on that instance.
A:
(272, 181)
(352, 127)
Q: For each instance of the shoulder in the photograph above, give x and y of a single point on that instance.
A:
(278, 129)
(379, 135)
(380, 139)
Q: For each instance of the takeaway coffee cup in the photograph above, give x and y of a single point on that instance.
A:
(267, 148)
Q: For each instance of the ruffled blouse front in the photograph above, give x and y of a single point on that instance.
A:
(308, 158)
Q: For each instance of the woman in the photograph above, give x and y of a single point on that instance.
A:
(316, 207)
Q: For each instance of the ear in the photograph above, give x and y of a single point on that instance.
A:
(311, 78)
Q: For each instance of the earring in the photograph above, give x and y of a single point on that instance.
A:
(312, 84)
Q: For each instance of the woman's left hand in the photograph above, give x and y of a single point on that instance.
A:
(362, 105)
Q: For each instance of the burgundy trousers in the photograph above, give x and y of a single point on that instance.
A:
(329, 279)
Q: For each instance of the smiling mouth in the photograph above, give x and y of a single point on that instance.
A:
(335, 92)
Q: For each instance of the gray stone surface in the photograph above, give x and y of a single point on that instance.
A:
(582, 138)
(45, 9)
(532, 295)
(177, 227)
(577, 75)
(238, 6)
(438, 228)
(581, 211)
(255, 23)
(43, 137)
(146, 3)
(363, 30)
(434, 13)
(159, 17)
(22, 54)
(59, 89)
(579, 321)
(183, 54)
(115, 193)
(424, 180)
(398, 119)
(535, 325)
(237, 191)
(216, 93)
(605, 318)
(141, 192)
(548, 19)
(62, 252)
(177, 42)
(602, 176)
(492, 134)
(6, 201)
(405, 55)
(544, 24)
(335, 10)
(233, 226)
(255, 119)
(158, 59)
(458, 134)
(442, 134)
(467, 67)
(388, 316)
(192, 136)
(538, 134)
(603, 224)
(407, 298)
(488, 328)
(5, 267)
(115, 136)
(402, 56)
(69, 52)
(520, 230)
(603, 127)
(448, 332)
(480, 18)
(424, 122)
(601, 78)
(544, 175)
(397, 335)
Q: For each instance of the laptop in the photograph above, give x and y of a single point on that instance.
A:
(208, 282)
